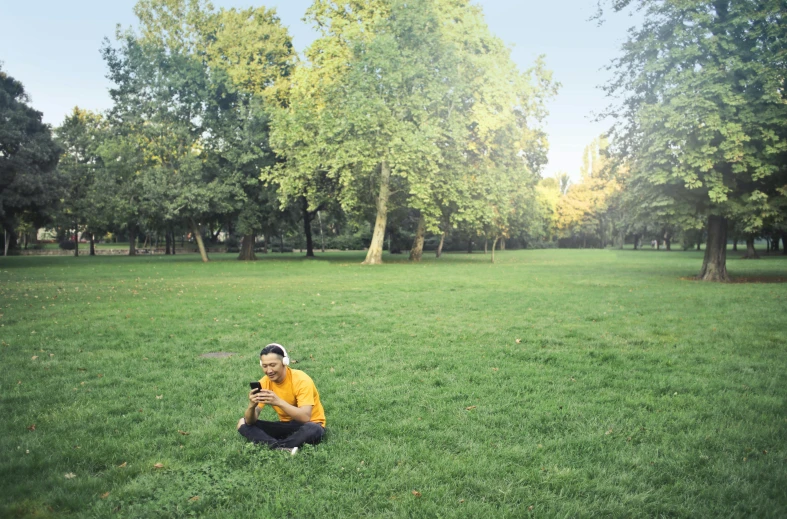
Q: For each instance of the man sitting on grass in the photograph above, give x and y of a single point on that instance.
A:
(293, 395)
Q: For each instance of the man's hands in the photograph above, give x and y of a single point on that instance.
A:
(264, 396)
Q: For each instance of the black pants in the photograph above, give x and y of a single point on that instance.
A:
(283, 434)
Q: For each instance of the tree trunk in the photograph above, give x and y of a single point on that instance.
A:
(417, 250)
(775, 244)
(494, 243)
(667, 242)
(76, 239)
(622, 238)
(439, 251)
(167, 243)
(502, 244)
(750, 252)
(767, 245)
(264, 244)
(172, 234)
(602, 233)
(375, 254)
(636, 241)
(307, 228)
(470, 246)
(322, 238)
(486, 245)
(132, 240)
(714, 265)
(6, 240)
(784, 244)
(195, 228)
(247, 248)
(734, 245)
(281, 242)
(92, 244)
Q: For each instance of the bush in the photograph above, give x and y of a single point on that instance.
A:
(68, 245)
(276, 248)
(232, 244)
(542, 244)
(344, 242)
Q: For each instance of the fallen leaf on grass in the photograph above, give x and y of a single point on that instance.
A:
(416, 493)
(461, 500)
(530, 508)
(51, 354)
(32, 427)
(159, 397)
(105, 495)
(184, 433)
(122, 464)
(495, 369)
(158, 466)
(470, 408)
(34, 357)
(518, 341)
(70, 475)
(195, 498)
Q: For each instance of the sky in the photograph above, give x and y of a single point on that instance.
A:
(53, 48)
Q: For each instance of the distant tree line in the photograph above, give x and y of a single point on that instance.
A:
(404, 118)
(407, 126)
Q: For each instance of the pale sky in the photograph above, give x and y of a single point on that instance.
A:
(53, 48)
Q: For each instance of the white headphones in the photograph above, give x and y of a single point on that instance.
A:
(285, 360)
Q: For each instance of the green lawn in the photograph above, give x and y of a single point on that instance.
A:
(578, 383)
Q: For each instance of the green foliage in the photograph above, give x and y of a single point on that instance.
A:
(704, 119)
(29, 182)
(421, 88)
(81, 167)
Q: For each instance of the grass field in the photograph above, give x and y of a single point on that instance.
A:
(553, 383)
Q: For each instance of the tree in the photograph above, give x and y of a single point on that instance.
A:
(29, 181)
(255, 52)
(80, 136)
(359, 112)
(704, 119)
(189, 90)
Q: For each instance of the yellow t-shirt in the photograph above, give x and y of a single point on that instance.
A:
(296, 389)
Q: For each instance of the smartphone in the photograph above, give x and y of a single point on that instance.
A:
(255, 385)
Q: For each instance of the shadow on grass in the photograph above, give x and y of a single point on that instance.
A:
(356, 257)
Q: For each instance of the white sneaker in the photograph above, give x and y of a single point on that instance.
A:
(292, 451)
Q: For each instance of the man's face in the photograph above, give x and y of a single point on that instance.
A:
(273, 367)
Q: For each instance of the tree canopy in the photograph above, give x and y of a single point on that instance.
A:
(703, 117)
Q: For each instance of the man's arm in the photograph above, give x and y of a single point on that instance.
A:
(252, 411)
(299, 414)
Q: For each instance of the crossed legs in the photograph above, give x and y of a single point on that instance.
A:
(281, 434)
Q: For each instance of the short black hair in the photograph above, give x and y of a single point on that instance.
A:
(272, 348)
